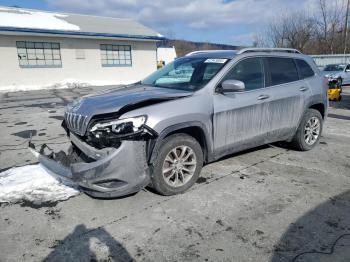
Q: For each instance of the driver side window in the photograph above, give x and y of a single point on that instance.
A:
(249, 71)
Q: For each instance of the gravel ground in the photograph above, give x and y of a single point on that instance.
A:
(265, 204)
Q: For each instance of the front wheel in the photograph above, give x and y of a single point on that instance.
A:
(309, 131)
(178, 164)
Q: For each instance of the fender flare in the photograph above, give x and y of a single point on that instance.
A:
(308, 105)
(315, 102)
(208, 144)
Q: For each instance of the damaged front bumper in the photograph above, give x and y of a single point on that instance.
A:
(110, 172)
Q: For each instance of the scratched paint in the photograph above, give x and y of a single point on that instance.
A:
(239, 125)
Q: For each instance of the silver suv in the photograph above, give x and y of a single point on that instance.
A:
(208, 104)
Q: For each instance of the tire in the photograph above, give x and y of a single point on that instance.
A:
(299, 141)
(192, 150)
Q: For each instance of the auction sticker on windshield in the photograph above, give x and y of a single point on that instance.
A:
(215, 60)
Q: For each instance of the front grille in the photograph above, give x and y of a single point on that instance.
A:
(76, 123)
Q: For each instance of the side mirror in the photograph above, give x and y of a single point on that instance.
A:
(232, 86)
(347, 70)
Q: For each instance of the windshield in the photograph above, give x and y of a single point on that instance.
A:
(186, 73)
(334, 68)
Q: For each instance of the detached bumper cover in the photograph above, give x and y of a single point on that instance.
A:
(112, 173)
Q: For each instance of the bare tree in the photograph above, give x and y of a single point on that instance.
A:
(330, 25)
(294, 30)
(260, 40)
(320, 32)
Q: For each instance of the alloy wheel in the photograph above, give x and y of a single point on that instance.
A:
(179, 166)
(312, 130)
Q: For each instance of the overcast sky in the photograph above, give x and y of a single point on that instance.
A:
(218, 21)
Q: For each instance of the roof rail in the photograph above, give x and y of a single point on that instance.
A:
(258, 49)
(207, 51)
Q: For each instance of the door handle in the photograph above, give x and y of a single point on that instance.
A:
(303, 88)
(263, 97)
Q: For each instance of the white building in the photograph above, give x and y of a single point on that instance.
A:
(43, 48)
(166, 54)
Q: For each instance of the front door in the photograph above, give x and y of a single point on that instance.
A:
(239, 119)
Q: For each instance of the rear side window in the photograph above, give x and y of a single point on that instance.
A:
(305, 70)
(281, 70)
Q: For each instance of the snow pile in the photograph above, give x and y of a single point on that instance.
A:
(32, 183)
(67, 83)
(11, 17)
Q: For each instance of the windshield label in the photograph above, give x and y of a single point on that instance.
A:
(215, 60)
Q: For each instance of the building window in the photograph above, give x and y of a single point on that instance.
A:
(39, 54)
(116, 55)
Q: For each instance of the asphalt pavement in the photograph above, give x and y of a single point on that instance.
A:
(265, 204)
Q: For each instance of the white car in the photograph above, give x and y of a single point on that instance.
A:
(340, 72)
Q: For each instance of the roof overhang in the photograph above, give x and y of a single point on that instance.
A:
(76, 34)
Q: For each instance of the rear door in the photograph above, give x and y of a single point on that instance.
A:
(288, 92)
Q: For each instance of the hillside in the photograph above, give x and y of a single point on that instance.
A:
(184, 47)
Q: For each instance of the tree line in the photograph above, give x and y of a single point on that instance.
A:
(322, 31)
(184, 47)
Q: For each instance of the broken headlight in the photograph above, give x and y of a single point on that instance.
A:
(122, 127)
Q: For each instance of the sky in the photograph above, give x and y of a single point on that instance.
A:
(233, 22)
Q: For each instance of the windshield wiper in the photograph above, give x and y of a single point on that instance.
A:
(161, 86)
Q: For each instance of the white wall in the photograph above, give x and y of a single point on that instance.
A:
(144, 62)
(166, 54)
(323, 60)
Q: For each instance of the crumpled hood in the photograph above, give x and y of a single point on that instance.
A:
(112, 100)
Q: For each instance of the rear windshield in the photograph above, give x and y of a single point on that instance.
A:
(187, 73)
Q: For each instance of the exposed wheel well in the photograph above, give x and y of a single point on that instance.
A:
(320, 108)
(197, 133)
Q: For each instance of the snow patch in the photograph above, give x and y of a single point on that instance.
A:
(11, 17)
(33, 183)
(67, 83)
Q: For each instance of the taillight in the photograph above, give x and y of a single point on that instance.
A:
(326, 83)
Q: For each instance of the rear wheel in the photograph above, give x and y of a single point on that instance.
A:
(178, 164)
(309, 131)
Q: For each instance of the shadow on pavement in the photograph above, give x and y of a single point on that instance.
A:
(345, 101)
(339, 116)
(322, 234)
(85, 244)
